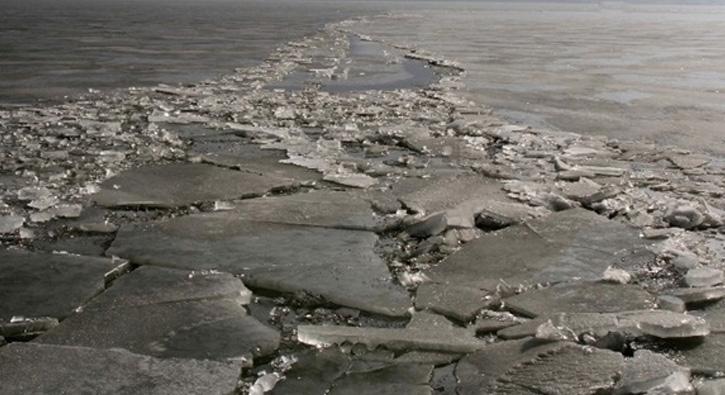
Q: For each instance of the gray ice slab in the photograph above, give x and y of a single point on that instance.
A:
(170, 313)
(424, 332)
(595, 324)
(48, 285)
(84, 244)
(233, 152)
(704, 356)
(695, 296)
(714, 314)
(569, 369)
(428, 357)
(421, 140)
(478, 372)
(467, 201)
(658, 323)
(688, 161)
(409, 379)
(339, 265)
(448, 193)
(570, 245)
(580, 297)
(330, 209)
(461, 303)
(704, 277)
(216, 329)
(314, 372)
(29, 368)
(651, 373)
(331, 371)
(711, 387)
(183, 184)
(528, 366)
(155, 285)
(664, 324)
(10, 223)
(489, 325)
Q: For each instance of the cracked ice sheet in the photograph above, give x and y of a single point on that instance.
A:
(463, 198)
(39, 369)
(334, 372)
(168, 313)
(235, 152)
(565, 246)
(529, 366)
(183, 184)
(329, 209)
(34, 285)
(338, 264)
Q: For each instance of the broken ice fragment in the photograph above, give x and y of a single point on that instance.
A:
(461, 303)
(686, 217)
(629, 324)
(580, 298)
(43, 202)
(528, 366)
(48, 285)
(264, 383)
(33, 193)
(40, 368)
(665, 324)
(614, 275)
(688, 161)
(43, 216)
(183, 184)
(68, 210)
(356, 180)
(430, 225)
(671, 303)
(424, 332)
(564, 246)
(285, 113)
(274, 255)
(10, 223)
(651, 373)
(551, 332)
(698, 295)
(704, 277)
(711, 387)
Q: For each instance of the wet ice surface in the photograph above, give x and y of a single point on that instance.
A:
(649, 71)
(363, 241)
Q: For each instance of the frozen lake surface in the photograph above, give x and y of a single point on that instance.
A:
(647, 71)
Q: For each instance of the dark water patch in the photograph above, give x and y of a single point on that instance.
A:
(51, 49)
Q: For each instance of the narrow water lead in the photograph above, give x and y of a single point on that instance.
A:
(369, 66)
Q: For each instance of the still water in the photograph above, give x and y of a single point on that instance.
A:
(53, 48)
